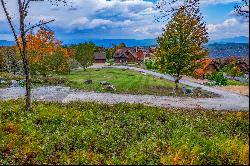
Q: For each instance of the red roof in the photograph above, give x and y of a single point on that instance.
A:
(140, 55)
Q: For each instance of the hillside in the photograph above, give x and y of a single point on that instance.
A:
(229, 49)
(6, 43)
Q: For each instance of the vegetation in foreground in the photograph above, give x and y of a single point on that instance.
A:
(90, 133)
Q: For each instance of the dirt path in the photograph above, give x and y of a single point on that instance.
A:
(227, 100)
(241, 89)
(65, 95)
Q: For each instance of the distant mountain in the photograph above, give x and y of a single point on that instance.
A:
(6, 43)
(239, 39)
(219, 50)
(237, 46)
(109, 42)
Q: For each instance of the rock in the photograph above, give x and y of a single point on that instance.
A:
(14, 83)
(110, 88)
(104, 83)
(88, 82)
(2, 81)
(187, 91)
(198, 89)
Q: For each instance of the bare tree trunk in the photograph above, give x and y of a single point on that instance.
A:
(177, 83)
(177, 80)
(25, 58)
(27, 77)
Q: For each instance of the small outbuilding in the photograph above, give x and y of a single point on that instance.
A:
(100, 57)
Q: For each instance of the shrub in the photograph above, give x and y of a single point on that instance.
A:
(74, 64)
(48, 80)
(111, 62)
(150, 64)
(218, 77)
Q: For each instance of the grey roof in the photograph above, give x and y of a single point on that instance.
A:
(100, 55)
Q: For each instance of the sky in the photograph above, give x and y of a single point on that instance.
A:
(121, 19)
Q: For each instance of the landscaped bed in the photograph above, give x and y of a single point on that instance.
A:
(90, 133)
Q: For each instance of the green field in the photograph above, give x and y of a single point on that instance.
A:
(125, 81)
(91, 133)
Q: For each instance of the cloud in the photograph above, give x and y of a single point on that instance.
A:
(109, 19)
(206, 2)
(229, 28)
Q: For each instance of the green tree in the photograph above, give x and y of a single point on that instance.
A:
(9, 60)
(121, 45)
(109, 52)
(84, 54)
(182, 43)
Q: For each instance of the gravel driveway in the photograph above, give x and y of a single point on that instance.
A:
(227, 100)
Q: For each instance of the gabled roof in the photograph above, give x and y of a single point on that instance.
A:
(121, 52)
(140, 55)
(100, 55)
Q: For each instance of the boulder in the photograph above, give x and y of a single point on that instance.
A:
(104, 83)
(110, 88)
(187, 91)
(198, 90)
(88, 82)
(2, 81)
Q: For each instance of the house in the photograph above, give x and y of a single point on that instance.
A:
(100, 57)
(243, 64)
(208, 66)
(124, 55)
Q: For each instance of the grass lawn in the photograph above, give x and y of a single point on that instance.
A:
(234, 82)
(91, 133)
(125, 81)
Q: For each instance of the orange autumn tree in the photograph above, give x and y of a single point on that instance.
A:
(46, 55)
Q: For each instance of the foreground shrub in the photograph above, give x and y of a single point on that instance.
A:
(150, 64)
(90, 133)
(218, 77)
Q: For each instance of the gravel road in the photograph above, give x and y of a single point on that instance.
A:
(227, 100)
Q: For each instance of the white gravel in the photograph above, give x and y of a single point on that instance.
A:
(227, 101)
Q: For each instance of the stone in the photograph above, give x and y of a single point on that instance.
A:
(88, 82)
(110, 88)
(2, 81)
(104, 83)
(187, 91)
(198, 89)
(14, 83)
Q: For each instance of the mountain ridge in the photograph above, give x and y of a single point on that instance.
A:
(134, 42)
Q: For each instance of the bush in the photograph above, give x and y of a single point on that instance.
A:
(218, 77)
(232, 70)
(111, 62)
(48, 80)
(150, 64)
(74, 64)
